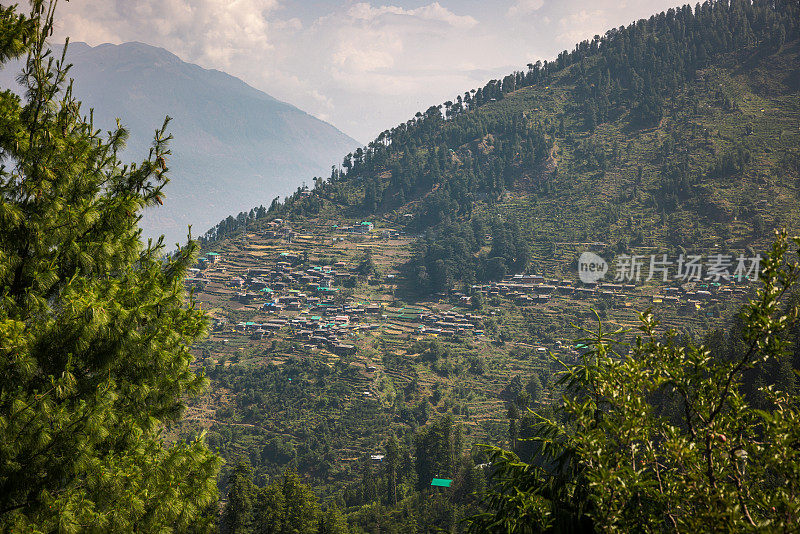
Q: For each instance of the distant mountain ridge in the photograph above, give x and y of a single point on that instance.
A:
(234, 146)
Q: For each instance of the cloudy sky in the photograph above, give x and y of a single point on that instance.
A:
(363, 66)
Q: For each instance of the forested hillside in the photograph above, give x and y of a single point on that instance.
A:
(419, 343)
(676, 131)
(678, 134)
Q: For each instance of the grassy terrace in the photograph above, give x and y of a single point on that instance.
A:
(275, 385)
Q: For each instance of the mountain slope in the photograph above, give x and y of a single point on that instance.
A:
(234, 146)
(676, 135)
(677, 131)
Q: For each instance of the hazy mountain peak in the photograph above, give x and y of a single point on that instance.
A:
(234, 146)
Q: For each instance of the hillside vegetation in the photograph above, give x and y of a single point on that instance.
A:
(675, 135)
(365, 340)
(677, 131)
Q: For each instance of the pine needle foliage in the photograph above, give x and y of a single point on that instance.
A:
(95, 326)
(663, 438)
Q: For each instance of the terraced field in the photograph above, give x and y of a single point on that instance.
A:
(326, 408)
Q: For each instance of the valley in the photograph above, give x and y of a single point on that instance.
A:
(567, 300)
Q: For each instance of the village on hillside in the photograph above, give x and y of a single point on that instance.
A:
(277, 275)
(334, 292)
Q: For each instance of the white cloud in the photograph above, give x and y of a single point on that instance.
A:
(213, 33)
(524, 7)
(369, 39)
(364, 65)
(324, 66)
(389, 61)
(432, 12)
(581, 25)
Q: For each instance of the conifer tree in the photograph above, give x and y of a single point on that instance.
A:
(270, 509)
(333, 522)
(392, 465)
(238, 514)
(302, 508)
(94, 325)
(287, 506)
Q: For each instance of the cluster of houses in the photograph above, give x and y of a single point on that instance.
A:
(527, 289)
(286, 274)
(322, 331)
(317, 318)
(285, 283)
(451, 323)
(363, 227)
(288, 284)
(321, 324)
(194, 278)
(277, 229)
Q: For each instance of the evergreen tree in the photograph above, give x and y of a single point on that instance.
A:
(392, 465)
(302, 509)
(436, 448)
(333, 522)
(94, 326)
(270, 509)
(237, 517)
(366, 266)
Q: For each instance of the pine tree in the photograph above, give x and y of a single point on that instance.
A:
(435, 452)
(333, 522)
(237, 518)
(270, 509)
(94, 325)
(392, 463)
(302, 508)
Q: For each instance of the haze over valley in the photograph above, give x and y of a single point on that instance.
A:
(234, 147)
